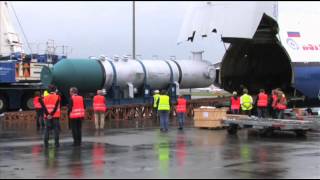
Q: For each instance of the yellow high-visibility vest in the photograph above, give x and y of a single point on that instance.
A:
(155, 100)
(164, 104)
(246, 102)
(45, 93)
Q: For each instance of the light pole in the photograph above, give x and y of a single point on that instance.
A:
(133, 31)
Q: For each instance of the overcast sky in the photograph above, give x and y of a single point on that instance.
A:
(96, 28)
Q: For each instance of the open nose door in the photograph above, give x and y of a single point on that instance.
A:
(225, 19)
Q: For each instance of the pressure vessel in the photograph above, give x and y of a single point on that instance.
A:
(89, 75)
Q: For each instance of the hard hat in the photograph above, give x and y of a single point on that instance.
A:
(234, 93)
(156, 91)
(104, 91)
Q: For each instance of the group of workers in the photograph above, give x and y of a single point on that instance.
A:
(276, 102)
(162, 107)
(48, 112)
(48, 108)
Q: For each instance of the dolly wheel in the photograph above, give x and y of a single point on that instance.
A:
(233, 129)
(301, 133)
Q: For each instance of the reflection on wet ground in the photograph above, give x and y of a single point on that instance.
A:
(192, 153)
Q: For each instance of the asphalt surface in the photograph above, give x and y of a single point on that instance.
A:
(148, 153)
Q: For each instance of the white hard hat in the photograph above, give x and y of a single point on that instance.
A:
(156, 91)
(104, 91)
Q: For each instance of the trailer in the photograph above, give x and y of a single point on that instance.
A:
(267, 126)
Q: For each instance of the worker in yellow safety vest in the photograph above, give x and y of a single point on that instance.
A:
(155, 105)
(164, 110)
(246, 102)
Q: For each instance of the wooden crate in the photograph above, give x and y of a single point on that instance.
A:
(209, 117)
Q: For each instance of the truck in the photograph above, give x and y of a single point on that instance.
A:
(19, 79)
(19, 71)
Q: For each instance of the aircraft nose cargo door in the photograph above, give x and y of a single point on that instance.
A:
(255, 66)
(260, 62)
(254, 58)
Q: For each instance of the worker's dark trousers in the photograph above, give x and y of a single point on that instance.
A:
(280, 114)
(274, 113)
(155, 114)
(262, 112)
(246, 112)
(164, 120)
(235, 111)
(40, 118)
(52, 124)
(181, 119)
(76, 127)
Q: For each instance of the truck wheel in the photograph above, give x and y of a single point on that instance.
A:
(301, 133)
(232, 129)
(27, 102)
(3, 104)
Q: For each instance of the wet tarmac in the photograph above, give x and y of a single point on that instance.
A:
(131, 153)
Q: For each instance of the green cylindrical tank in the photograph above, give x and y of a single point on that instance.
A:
(85, 74)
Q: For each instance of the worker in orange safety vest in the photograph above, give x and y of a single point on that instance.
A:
(39, 110)
(99, 108)
(274, 96)
(52, 113)
(235, 103)
(181, 110)
(76, 110)
(262, 104)
(281, 105)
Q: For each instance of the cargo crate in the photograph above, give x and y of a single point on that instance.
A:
(209, 117)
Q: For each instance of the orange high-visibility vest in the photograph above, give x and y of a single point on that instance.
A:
(182, 105)
(281, 105)
(50, 102)
(99, 103)
(36, 102)
(78, 107)
(235, 103)
(274, 101)
(263, 100)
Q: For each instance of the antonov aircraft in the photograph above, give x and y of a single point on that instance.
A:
(270, 44)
